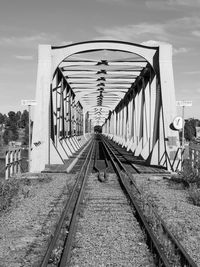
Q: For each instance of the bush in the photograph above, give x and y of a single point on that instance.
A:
(8, 190)
(189, 173)
(194, 194)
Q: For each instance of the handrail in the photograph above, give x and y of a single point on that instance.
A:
(194, 154)
(13, 160)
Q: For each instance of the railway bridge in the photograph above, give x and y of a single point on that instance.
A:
(126, 88)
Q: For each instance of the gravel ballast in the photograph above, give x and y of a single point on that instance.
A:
(172, 203)
(107, 232)
(28, 224)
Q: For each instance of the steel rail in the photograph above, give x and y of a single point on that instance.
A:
(65, 211)
(122, 166)
(133, 164)
(185, 259)
(105, 157)
(134, 167)
(99, 170)
(95, 157)
(153, 243)
(68, 242)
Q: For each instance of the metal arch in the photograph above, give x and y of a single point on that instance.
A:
(101, 41)
(62, 56)
(101, 88)
(139, 122)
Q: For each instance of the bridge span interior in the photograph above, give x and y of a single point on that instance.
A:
(126, 88)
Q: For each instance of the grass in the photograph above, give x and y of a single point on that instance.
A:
(9, 189)
(189, 173)
(194, 195)
(192, 176)
(149, 208)
(12, 190)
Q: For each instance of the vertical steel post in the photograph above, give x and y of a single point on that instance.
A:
(11, 163)
(49, 130)
(18, 156)
(29, 137)
(183, 141)
(183, 115)
(7, 165)
(84, 130)
(15, 161)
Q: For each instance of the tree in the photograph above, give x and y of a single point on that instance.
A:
(13, 122)
(5, 118)
(12, 116)
(18, 117)
(9, 135)
(197, 123)
(11, 131)
(2, 121)
(26, 135)
(24, 119)
(190, 129)
(2, 118)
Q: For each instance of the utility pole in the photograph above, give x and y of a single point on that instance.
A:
(183, 117)
(29, 103)
(29, 136)
(183, 104)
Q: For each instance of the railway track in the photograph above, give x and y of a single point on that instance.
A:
(174, 251)
(97, 207)
(57, 253)
(133, 164)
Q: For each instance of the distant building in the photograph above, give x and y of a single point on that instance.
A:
(2, 129)
(197, 132)
(15, 144)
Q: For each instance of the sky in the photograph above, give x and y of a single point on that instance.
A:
(24, 24)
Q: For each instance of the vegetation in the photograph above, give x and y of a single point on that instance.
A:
(190, 176)
(13, 190)
(194, 194)
(190, 129)
(11, 125)
(8, 190)
(10, 133)
(2, 118)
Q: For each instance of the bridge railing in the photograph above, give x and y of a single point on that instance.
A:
(13, 162)
(194, 156)
(176, 164)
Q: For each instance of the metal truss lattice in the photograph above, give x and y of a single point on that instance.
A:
(101, 79)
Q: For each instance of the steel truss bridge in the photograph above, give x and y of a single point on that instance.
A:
(126, 88)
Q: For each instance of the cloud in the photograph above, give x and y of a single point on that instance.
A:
(129, 32)
(30, 41)
(172, 4)
(180, 50)
(196, 33)
(22, 40)
(121, 2)
(7, 70)
(63, 43)
(189, 3)
(10, 28)
(177, 31)
(195, 72)
(24, 57)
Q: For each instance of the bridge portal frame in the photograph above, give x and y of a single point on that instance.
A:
(159, 57)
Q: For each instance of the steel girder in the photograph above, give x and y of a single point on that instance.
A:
(128, 88)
